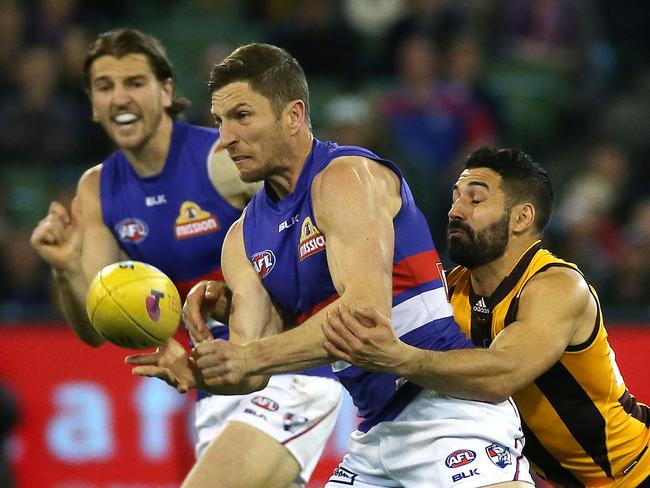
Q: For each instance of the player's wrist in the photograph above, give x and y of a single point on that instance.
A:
(247, 359)
(65, 274)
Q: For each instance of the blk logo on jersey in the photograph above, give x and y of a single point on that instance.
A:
(288, 223)
(153, 305)
(263, 262)
(132, 230)
(155, 200)
(461, 457)
(499, 454)
(193, 221)
(311, 240)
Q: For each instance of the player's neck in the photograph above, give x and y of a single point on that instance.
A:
(488, 277)
(149, 158)
(285, 182)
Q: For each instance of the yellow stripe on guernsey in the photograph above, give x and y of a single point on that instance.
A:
(582, 426)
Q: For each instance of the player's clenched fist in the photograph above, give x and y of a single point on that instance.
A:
(220, 362)
(57, 238)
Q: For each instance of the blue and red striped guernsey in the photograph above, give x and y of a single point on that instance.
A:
(286, 248)
(175, 220)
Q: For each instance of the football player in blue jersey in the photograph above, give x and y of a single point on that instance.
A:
(337, 226)
(167, 197)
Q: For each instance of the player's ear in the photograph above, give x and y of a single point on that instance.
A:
(167, 92)
(522, 217)
(296, 114)
(95, 117)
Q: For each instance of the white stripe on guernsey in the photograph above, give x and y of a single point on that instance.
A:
(420, 310)
(414, 313)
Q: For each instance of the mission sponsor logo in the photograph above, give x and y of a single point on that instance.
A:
(193, 221)
(311, 240)
(132, 230)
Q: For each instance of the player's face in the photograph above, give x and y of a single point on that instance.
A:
(251, 131)
(479, 220)
(127, 99)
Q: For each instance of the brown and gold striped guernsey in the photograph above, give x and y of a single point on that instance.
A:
(582, 426)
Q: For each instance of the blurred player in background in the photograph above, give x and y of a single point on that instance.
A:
(540, 322)
(337, 224)
(167, 197)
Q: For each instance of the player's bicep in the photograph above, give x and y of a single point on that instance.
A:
(252, 314)
(549, 309)
(355, 202)
(99, 247)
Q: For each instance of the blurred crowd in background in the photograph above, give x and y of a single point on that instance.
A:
(420, 82)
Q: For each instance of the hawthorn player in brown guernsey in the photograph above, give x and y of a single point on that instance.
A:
(538, 327)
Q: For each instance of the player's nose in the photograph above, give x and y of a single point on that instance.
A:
(227, 136)
(120, 95)
(456, 212)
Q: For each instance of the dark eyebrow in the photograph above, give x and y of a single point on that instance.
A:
(236, 108)
(479, 183)
(472, 183)
(106, 78)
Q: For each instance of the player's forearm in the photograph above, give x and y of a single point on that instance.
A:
(247, 385)
(294, 350)
(473, 374)
(73, 287)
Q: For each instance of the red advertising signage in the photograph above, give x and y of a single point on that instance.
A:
(86, 422)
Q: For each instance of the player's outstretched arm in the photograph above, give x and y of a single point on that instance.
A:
(223, 364)
(77, 246)
(354, 201)
(556, 309)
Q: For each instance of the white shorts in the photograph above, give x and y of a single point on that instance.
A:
(437, 441)
(298, 411)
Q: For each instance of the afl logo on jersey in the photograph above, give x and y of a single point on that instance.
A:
(193, 221)
(311, 240)
(132, 230)
(263, 262)
(461, 457)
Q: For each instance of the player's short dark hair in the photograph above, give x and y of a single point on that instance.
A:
(269, 70)
(124, 41)
(523, 179)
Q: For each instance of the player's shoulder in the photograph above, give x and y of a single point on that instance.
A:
(558, 284)
(351, 169)
(90, 178)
